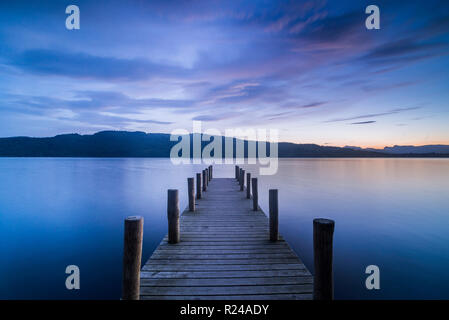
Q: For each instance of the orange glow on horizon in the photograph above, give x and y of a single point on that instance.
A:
(373, 146)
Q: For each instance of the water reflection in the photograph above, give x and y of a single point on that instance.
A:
(388, 212)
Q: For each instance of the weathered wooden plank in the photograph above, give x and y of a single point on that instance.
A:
(224, 241)
(221, 251)
(222, 290)
(155, 282)
(225, 224)
(219, 267)
(208, 232)
(249, 221)
(295, 296)
(221, 239)
(220, 262)
(237, 246)
(224, 274)
(223, 256)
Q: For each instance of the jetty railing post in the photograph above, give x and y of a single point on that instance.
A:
(237, 172)
(323, 283)
(207, 176)
(204, 180)
(173, 216)
(274, 215)
(240, 176)
(132, 256)
(198, 185)
(248, 185)
(242, 182)
(255, 194)
(191, 193)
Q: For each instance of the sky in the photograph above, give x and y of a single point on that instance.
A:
(309, 69)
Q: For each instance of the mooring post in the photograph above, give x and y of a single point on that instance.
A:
(240, 177)
(204, 180)
(210, 173)
(191, 193)
(248, 185)
(255, 194)
(198, 185)
(274, 215)
(242, 185)
(207, 176)
(132, 256)
(237, 172)
(173, 216)
(323, 283)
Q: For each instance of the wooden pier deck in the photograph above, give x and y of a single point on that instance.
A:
(225, 253)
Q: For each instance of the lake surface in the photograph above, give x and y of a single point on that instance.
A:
(393, 213)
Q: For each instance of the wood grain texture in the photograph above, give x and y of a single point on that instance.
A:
(224, 253)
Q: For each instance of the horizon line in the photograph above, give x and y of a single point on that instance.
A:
(284, 141)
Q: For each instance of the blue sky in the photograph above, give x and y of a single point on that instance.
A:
(308, 68)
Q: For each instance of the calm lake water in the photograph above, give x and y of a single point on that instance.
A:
(393, 213)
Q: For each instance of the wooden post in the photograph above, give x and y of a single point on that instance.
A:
(237, 172)
(274, 215)
(240, 176)
(242, 182)
(211, 172)
(204, 180)
(198, 185)
(248, 185)
(207, 176)
(255, 194)
(132, 256)
(173, 216)
(323, 283)
(191, 193)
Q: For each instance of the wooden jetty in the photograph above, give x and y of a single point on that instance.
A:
(222, 247)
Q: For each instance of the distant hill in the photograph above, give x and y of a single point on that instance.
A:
(100, 144)
(426, 149)
(141, 144)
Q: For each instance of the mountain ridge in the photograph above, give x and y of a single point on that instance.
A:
(141, 144)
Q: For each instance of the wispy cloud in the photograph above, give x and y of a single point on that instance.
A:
(295, 105)
(364, 122)
(287, 64)
(82, 65)
(372, 115)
